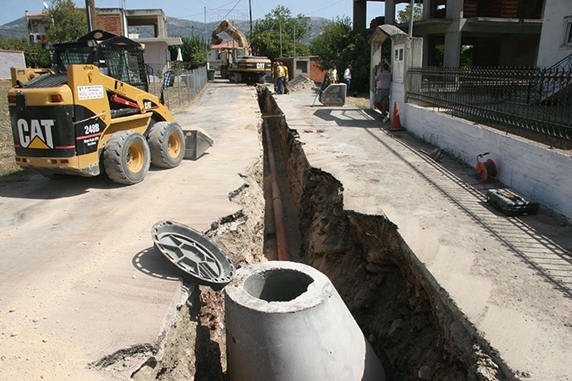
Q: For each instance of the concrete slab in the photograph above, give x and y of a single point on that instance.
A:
(511, 277)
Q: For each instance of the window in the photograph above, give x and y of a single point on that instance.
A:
(568, 29)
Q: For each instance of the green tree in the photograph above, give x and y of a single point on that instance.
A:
(335, 44)
(467, 52)
(338, 44)
(36, 56)
(403, 15)
(64, 22)
(194, 52)
(280, 25)
(466, 60)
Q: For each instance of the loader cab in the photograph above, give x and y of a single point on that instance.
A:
(116, 56)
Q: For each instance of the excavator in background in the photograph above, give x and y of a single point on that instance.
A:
(93, 113)
(243, 67)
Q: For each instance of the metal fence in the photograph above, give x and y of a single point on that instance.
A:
(530, 102)
(185, 87)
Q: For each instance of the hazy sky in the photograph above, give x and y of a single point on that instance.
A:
(216, 10)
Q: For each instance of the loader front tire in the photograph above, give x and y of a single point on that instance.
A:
(167, 143)
(126, 157)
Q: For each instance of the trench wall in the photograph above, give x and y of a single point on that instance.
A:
(415, 329)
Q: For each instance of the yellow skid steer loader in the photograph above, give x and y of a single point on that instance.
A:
(92, 112)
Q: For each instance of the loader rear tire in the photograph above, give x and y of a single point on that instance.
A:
(167, 144)
(126, 157)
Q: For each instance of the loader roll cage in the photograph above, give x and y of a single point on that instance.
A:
(116, 56)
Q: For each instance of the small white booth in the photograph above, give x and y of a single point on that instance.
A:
(406, 52)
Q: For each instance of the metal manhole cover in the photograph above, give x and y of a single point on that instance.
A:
(193, 253)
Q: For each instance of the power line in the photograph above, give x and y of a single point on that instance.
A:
(329, 6)
(259, 7)
(225, 16)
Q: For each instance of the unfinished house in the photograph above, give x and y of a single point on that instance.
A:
(471, 32)
(118, 21)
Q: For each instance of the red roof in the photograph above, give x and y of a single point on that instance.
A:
(37, 14)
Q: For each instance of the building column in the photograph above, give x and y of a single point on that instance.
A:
(452, 52)
(390, 12)
(359, 21)
(161, 30)
(454, 9)
(453, 36)
(425, 62)
(426, 9)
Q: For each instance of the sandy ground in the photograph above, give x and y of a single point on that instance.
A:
(511, 277)
(79, 279)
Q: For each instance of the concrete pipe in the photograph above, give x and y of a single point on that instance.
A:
(286, 321)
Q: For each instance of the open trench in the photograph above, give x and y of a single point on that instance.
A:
(415, 330)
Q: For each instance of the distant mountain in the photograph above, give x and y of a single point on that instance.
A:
(16, 28)
(175, 27)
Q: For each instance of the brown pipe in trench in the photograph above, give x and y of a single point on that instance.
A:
(281, 241)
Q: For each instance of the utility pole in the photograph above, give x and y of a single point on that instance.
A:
(411, 5)
(206, 35)
(250, 11)
(294, 41)
(280, 39)
(90, 12)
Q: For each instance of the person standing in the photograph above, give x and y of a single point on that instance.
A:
(223, 63)
(280, 73)
(275, 76)
(348, 79)
(333, 74)
(381, 100)
(286, 78)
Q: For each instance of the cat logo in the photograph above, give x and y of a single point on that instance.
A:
(36, 134)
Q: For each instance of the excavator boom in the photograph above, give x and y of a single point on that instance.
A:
(238, 36)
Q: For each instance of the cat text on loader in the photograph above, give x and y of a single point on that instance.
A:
(93, 113)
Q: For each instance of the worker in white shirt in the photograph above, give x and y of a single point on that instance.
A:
(348, 79)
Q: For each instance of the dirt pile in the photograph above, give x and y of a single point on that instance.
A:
(302, 84)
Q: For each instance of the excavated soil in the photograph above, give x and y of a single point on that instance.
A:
(415, 330)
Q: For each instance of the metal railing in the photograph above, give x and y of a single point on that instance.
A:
(565, 63)
(530, 102)
(186, 86)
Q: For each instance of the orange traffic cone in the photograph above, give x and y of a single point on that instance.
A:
(395, 122)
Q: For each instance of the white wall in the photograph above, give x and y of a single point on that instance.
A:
(537, 173)
(8, 59)
(552, 48)
(156, 55)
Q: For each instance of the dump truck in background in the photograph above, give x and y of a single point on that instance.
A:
(93, 113)
(243, 67)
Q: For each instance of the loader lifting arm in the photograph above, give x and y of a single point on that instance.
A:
(238, 36)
